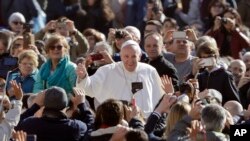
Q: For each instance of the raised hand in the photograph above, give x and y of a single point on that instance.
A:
(81, 71)
(107, 57)
(166, 103)
(20, 136)
(79, 96)
(131, 112)
(18, 92)
(39, 99)
(167, 84)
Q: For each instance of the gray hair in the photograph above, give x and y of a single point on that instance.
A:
(213, 117)
(16, 16)
(134, 31)
(241, 64)
(106, 46)
(247, 54)
(216, 94)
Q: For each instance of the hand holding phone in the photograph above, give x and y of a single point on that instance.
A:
(96, 57)
(207, 62)
(179, 35)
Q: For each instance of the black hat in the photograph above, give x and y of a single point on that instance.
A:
(55, 98)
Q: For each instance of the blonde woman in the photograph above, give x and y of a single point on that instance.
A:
(177, 112)
(58, 70)
(26, 72)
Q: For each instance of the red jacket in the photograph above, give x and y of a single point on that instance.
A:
(238, 41)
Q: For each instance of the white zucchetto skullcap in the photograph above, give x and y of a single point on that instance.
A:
(133, 44)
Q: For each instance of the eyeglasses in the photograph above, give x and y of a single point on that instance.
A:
(17, 22)
(58, 47)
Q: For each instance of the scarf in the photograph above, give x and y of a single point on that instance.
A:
(57, 78)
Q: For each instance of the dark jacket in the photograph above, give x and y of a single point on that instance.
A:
(27, 7)
(164, 67)
(245, 95)
(220, 80)
(155, 127)
(244, 11)
(57, 129)
(237, 42)
(7, 63)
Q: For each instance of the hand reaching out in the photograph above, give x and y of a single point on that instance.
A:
(18, 92)
(167, 84)
(79, 96)
(81, 71)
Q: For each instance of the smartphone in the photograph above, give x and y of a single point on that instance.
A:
(206, 62)
(179, 35)
(136, 86)
(96, 57)
(31, 137)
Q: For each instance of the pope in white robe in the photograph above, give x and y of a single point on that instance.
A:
(115, 80)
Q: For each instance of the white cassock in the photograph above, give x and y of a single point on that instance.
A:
(114, 81)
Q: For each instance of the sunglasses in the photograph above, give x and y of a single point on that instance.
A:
(17, 22)
(58, 47)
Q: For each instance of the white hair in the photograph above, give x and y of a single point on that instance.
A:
(16, 16)
(106, 46)
(246, 55)
(134, 31)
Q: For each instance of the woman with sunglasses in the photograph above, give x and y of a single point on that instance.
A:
(16, 22)
(58, 70)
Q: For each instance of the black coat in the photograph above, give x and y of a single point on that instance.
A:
(164, 67)
(245, 95)
(220, 80)
(58, 128)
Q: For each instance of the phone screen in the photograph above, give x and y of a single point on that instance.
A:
(206, 62)
(179, 35)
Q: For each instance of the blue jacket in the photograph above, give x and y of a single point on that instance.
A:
(27, 83)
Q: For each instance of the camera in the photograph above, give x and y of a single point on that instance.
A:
(119, 34)
(96, 57)
(224, 20)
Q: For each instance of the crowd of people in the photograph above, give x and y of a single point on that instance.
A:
(123, 70)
